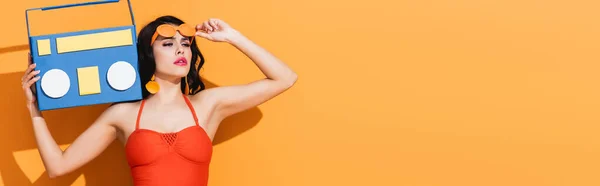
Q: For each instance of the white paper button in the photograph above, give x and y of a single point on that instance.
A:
(121, 75)
(55, 83)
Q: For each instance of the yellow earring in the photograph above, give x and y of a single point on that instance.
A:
(152, 86)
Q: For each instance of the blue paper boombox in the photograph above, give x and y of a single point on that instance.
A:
(86, 67)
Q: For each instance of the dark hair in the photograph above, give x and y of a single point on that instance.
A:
(147, 65)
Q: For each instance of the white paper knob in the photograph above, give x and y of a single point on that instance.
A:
(121, 75)
(55, 83)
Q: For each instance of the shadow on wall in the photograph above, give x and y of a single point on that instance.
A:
(13, 49)
(20, 163)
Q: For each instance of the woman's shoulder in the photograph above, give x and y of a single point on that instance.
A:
(127, 105)
(122, 110)
(119, 115)
(204, 97)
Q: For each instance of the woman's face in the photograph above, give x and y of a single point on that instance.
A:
(173, 56)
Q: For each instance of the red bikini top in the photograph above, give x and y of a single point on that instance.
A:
(177, 158)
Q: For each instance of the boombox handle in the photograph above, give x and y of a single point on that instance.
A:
(74, 5)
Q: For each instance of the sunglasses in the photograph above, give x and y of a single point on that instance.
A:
(168, 30)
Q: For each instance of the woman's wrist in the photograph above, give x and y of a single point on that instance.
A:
(235, 38)
(34, 112)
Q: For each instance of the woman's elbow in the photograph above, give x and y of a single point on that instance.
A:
(54, 173)
(291, 80)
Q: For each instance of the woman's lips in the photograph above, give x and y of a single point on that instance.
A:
(180, 62)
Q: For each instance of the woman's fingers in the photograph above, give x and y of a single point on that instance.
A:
(28, 71)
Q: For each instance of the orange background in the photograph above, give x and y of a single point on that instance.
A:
(419, 93)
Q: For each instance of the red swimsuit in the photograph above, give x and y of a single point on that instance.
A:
(179, 158)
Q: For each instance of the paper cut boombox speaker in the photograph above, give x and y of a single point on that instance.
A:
(86, 67)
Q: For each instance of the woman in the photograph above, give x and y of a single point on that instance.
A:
(168, 134)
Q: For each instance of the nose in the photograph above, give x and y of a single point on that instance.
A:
(180, 50)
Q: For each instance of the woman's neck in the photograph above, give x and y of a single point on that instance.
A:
(169, 92)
